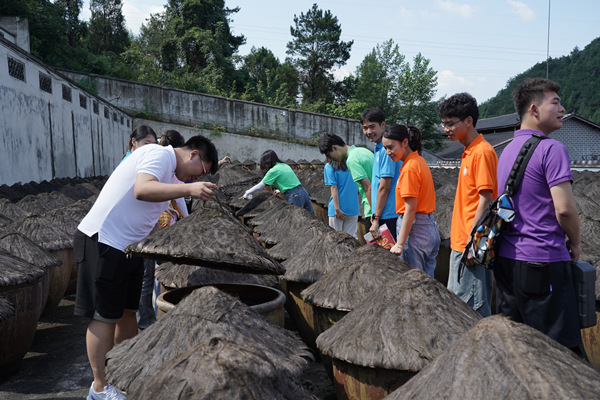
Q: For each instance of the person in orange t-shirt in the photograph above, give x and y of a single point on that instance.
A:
(418, 238)
(476, 187)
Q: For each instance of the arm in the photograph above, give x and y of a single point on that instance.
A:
(567, 216)
(253, 189)
(336, 203)
(407, 223)
(366, 185)
(385, 184)
(148, 188)
(223, 160)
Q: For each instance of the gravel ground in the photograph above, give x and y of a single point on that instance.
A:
(56, 367)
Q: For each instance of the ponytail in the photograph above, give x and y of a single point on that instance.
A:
(401, 132)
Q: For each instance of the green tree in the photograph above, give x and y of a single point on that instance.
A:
(107, 27)
(415, 100)
(377, 78)
(316, 48)
(268, 80)
(75, 29)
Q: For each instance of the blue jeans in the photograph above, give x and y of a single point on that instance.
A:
(146, 312)
(475, 287)
(299, 197)
(422, 244)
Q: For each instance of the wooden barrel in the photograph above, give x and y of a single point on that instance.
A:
(301, 312)
(267, 301)
(354, 382)
(591, 340)
(59, 279)
(21, 285)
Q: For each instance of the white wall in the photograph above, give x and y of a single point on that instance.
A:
(43, 136)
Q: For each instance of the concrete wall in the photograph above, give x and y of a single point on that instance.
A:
(43, 135)
(241, 147)
(234, 116)
(16, 30)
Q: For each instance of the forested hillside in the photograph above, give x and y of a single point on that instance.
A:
(579, 77)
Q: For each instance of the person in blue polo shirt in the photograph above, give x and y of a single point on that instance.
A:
(385, 175)
(343, 206)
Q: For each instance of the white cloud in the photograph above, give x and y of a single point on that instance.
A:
(450, 83)
(340, 73)
(405, 13)
(464, 10)
(522, 10)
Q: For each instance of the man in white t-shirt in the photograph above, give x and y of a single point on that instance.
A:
(127, 209)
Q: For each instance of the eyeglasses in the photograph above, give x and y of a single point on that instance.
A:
(450, 125)
(203, 167)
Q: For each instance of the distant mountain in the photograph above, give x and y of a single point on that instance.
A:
(578, 75)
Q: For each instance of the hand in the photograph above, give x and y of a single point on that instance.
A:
(224, 160)
(469, 262)
(339, 214)
(574, 250)
(374, 228)
(202, 190)
(397, 249)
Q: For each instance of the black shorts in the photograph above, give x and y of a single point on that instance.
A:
(541, 295)
(108, 281)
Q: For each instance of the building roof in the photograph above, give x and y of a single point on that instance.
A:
(454, 150)
(501, 123)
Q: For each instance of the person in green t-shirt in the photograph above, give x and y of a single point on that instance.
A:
(359, 161)
(281, 176)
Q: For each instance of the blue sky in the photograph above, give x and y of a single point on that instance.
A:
(474, 45)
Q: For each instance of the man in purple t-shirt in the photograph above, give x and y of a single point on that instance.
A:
(533, 272)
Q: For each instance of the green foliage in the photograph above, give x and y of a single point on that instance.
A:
(316, 48)
(107, 27)
(579, 77)
(377, 75)
(352, 110)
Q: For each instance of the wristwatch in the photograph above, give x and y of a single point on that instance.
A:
(375, 216)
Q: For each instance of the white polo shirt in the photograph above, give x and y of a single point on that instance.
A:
(117, 216)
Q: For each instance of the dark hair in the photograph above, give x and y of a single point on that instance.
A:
(401, 132)
(268, 159)
(171, 138)
(460, 105)
(373, 115)
(207, 150)
(532, 90)
(327, 141)
(139, 133)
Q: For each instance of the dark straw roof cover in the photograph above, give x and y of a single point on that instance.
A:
(290, 242)
(355, 279)
(16, 271)
(210, 238)
(184, 275)
(205, 314)
(21, 246)
(219, 369)
(10, 209)
(403, 326)
(42, 202)
(501, 359)
(289, 221)
(42, 232)
(317, 256)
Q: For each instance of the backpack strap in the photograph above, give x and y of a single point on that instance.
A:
(518, 170)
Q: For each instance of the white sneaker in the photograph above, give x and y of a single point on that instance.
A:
(109, 393)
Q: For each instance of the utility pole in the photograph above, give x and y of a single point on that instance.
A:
(548, 43)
